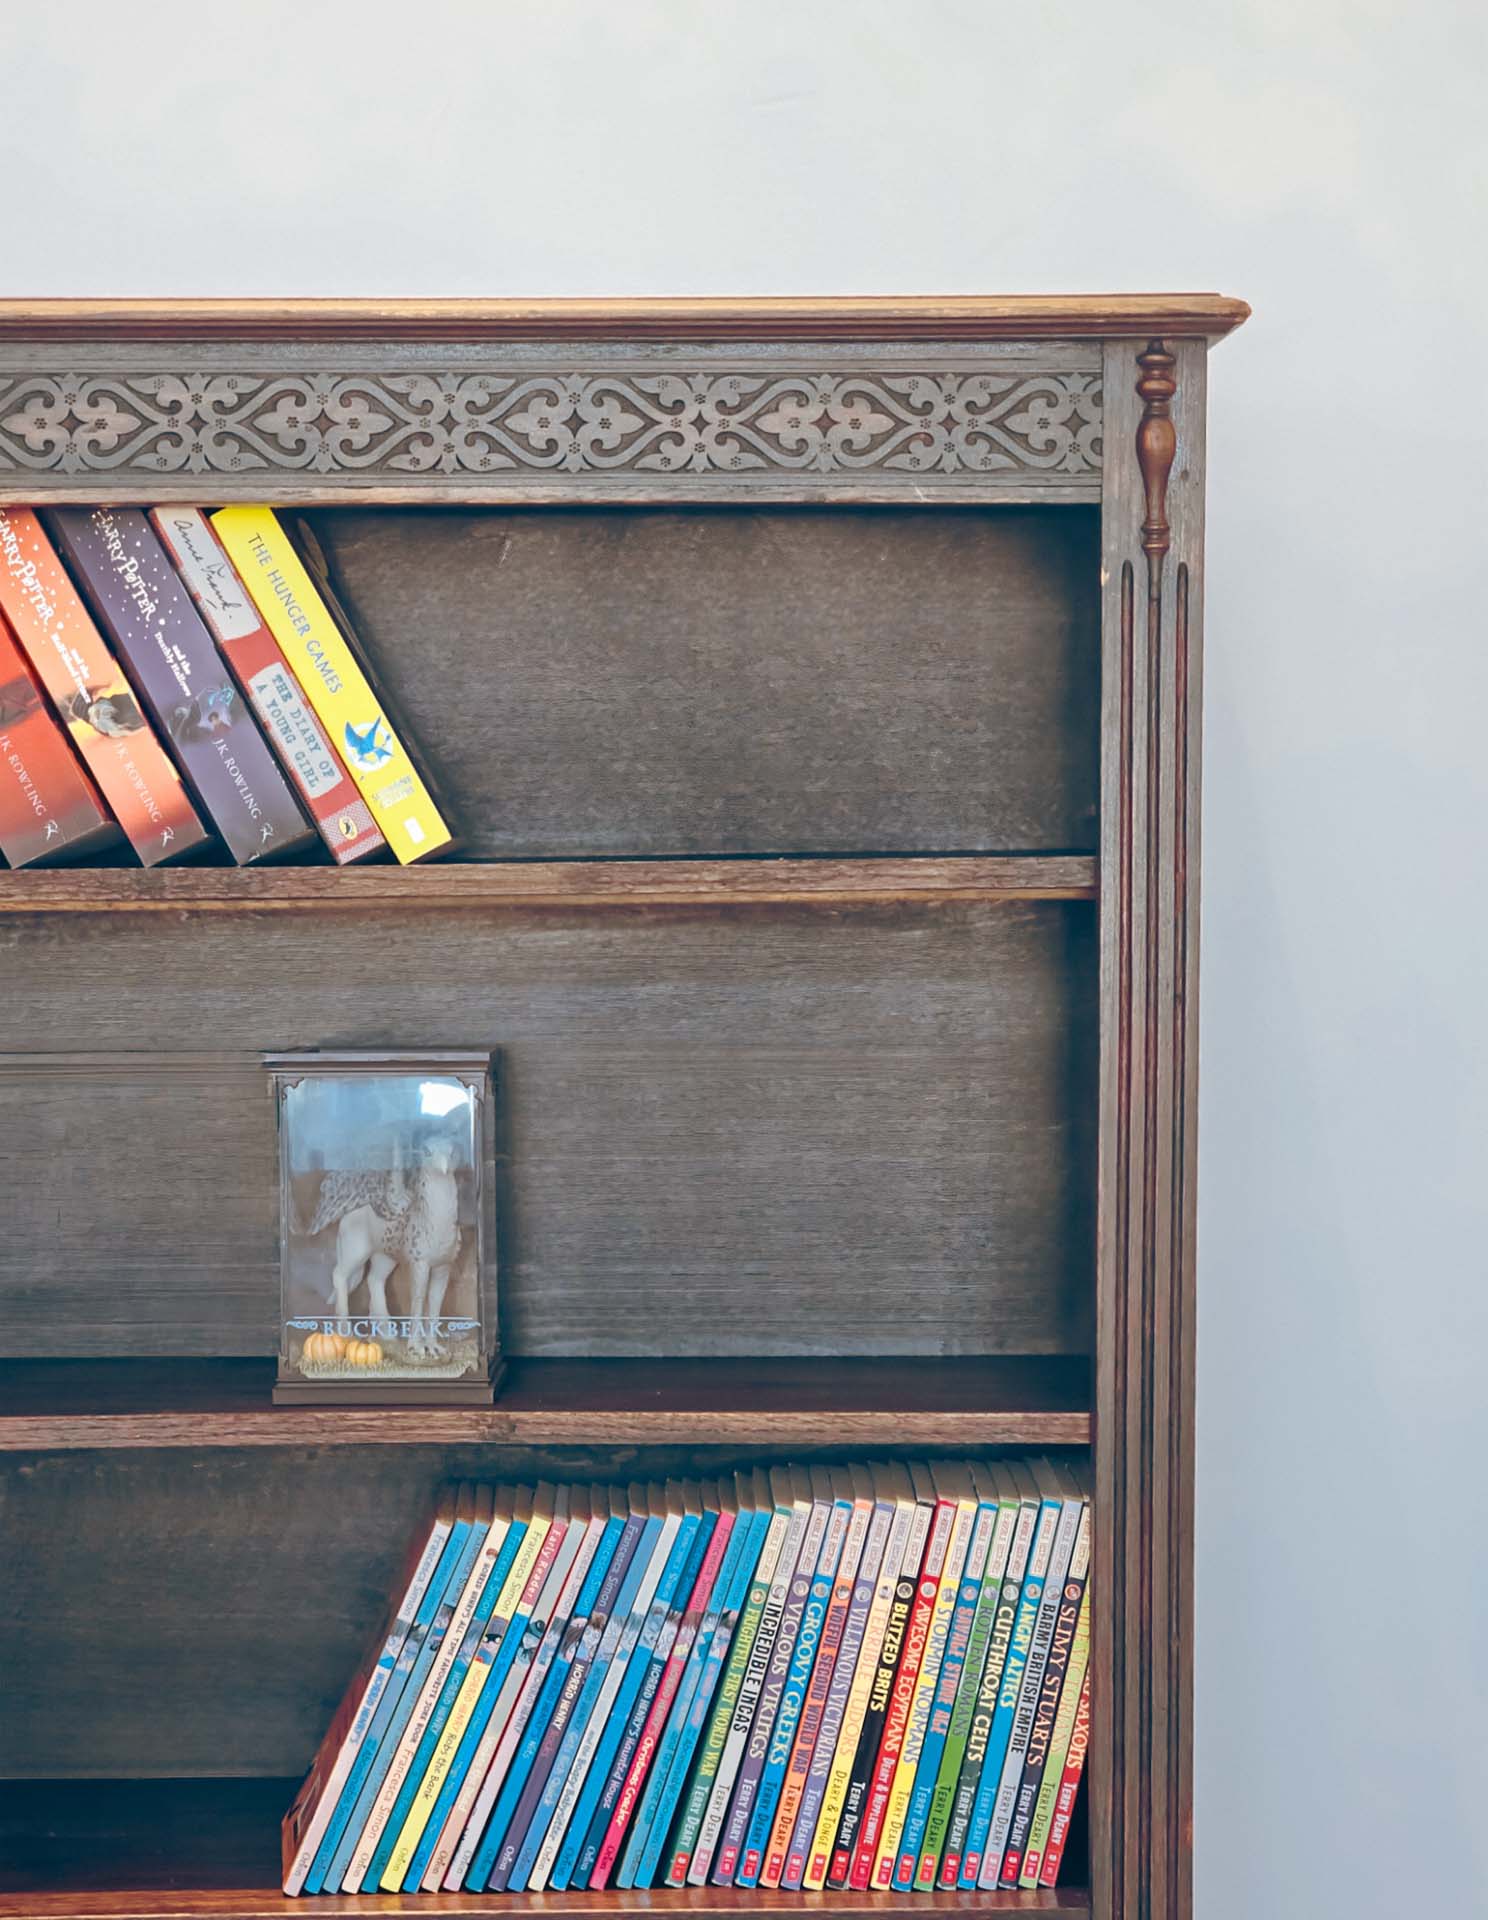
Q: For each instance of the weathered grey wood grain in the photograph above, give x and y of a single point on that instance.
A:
(740, 681)
(797, 1129)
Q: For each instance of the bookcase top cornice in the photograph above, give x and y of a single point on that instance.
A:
(920, 317)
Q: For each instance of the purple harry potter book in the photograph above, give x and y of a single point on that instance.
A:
(167, 651)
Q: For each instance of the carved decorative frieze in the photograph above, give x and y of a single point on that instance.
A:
(422, 425)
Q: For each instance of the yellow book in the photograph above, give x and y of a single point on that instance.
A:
(333, 682)
(498, 1625)
(893, 1488)
(950, 1485)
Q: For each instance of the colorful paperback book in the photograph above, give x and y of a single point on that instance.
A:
(444, 1640)
(803, 1859)
(810, 1679)
(420, 1790)
(649, 1759)
(522, 1682)
(785, 1859)
(893, 1778)
(560, 1743)
(685, 1728)
(310, 1814)
(164, 647)
(1049, 1741)
(525, 1583)
(1052, 1575)
(958, 1860)
(998, 1490)
(737, 1828)
(256, 660)
(893, 1493)
(628, 1713)
(880, 1693)
(1069, 1788)
(571, 1816)
(333, 680)
(792, 1495)
(49, 807)
(527, 1538)
(981, 1841)
(334, 1853)
(772, 1525)
(547, 1629)
(90, 694)
(980, 1513)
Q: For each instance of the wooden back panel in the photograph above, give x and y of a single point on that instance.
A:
(781, 1130)
(739, 680)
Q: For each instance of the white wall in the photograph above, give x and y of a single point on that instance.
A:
(1326, 159)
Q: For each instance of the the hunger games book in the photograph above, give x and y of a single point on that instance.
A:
(88, 690)
(171, 658)
(49, 808)
(303, 617)
(257, 663)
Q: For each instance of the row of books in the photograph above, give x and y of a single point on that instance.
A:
(184, 683)
(865, 1677)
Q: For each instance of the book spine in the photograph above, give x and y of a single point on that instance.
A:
(175, 667)
(873, 1861)
(772, 1689)
(545, 1636)
(91, 696)
(492, 1866)
(376, 1756)
(866, 1640)
(880, 1693)
(307, 1820)
(686, 1854)
(935, 1847)
(662, 1685)
(378, 760)
(376, 1842)
(1051, 1572)
(910, 1870)
(788, 1714)
(1059, 1746)
(499, 1654)
(420, 1788)
(601, 1736)
(710, 1835)
(1069, 1788)
(633, 1702)
(257, 663)
(806, 1777)
(973, 1809)
(694, 1703)
(49, 807)
(1066, 1598)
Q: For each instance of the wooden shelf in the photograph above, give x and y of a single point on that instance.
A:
(973, 1403)
(555, 883)
(170, 1849)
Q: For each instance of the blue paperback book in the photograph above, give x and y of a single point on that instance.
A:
(689, 1713)
(565, 1782)
(632, 1662)
(519, 1793)
(500, 1566)
(335, 1844)
(406, 1702)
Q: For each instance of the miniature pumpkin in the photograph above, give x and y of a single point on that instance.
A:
(322, 1349)
(364, 1353)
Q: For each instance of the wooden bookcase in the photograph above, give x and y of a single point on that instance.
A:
(817, 687)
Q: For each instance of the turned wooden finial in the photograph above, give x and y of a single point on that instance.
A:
(1157, 443)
